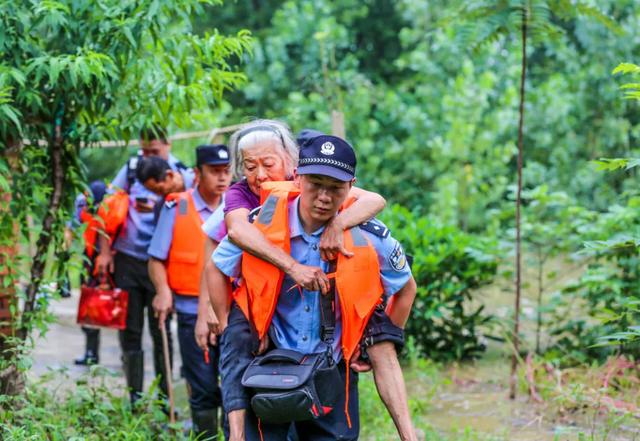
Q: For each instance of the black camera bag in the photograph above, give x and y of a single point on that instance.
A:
(290, 386)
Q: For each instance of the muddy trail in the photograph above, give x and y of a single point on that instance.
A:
(462, 402)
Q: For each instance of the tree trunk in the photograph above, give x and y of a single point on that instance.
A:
(337, 124)
(44, 241)
(516, 325)
(541, 262)
(11, 380)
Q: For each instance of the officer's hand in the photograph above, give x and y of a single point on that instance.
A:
(357, 364)
(202, 333)
(332, 241)
(162, 305)
(311, 278)
(104, 262)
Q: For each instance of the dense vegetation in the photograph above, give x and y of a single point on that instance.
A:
(429, 92)
(430, 95)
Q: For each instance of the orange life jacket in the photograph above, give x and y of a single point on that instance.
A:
(113, 210)
(357, 278)
(94, 224)
(186, 256)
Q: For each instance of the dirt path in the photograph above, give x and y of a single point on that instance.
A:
(65, 341)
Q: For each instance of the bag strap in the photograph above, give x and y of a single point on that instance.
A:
(107, 277)
(328, 310)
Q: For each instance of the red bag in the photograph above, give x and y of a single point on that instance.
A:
(103, 307)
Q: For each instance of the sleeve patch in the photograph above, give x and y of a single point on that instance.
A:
(170, 203)
(397, 258)
(376, 228)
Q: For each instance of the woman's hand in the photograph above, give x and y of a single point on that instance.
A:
(332, 241)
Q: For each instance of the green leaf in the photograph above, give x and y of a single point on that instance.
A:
(127, 33)
(626, 68)
(55, 67)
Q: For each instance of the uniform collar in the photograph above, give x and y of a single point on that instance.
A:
(200, 204)
(295, 224)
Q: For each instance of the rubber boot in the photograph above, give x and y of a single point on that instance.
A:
(133, 364)
(205, 423)
(91, 351)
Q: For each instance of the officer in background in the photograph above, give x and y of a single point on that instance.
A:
(128, 259)
(176, 262)
(157, 176)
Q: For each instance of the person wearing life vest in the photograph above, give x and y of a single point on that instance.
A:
(127, 258)
(157, 176)
(264, 151)
(85, 213)
(287, 316)
(175, 266)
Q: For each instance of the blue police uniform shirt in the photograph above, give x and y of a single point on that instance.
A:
(135, 236)
(163, 236)
(296, 321)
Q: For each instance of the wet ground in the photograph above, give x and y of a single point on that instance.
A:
(457, 400)
(65, 341)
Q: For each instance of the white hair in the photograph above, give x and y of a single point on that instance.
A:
(258, 131)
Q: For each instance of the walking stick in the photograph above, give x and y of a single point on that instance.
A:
(167, 369)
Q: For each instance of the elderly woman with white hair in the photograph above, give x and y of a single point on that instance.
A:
(263, 151)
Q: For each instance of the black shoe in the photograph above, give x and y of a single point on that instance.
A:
(89, 359)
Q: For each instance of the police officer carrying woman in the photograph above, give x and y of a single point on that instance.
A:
(374, 271)
(264, 151)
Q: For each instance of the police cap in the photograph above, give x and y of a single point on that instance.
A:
(213, 154)
(329, 156)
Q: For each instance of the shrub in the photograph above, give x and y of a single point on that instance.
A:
(88, 410)
(448, 266)
(608, 293)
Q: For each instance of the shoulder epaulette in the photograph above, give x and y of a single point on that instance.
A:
(375, 227)
(253, 214)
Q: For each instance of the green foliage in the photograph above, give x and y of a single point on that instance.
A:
(72, 73)
(429, 111)
(89, 411)
(610, 285)
(631, 90)
(449, 266)
(606, 294)
(111, 68)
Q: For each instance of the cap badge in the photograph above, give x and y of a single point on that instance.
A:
(223, 154)
(327, 148)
